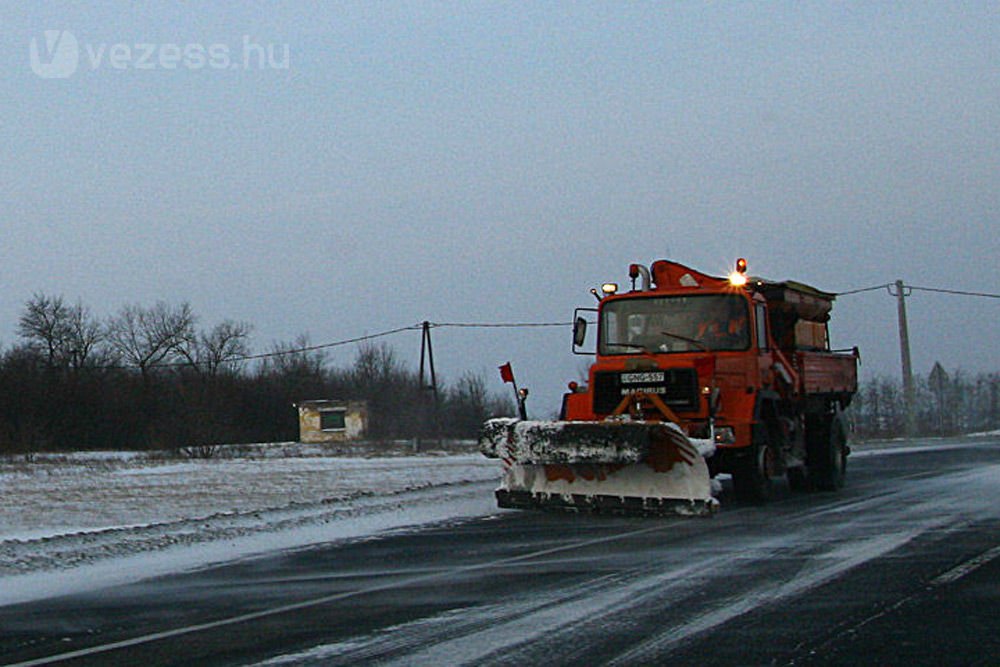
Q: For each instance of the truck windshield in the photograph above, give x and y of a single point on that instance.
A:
(666, 324)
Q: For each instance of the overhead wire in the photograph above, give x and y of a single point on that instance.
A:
(940, 290)
(361, 339)
(954, 291)
(863, 289)
(323, 346)
(499, 325)
(284, 352)
(491, 325)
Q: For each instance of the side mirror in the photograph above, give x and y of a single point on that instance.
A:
(579, 331)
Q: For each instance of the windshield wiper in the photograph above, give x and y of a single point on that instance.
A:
(691, 341)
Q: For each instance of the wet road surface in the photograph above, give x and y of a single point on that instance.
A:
(901, 567)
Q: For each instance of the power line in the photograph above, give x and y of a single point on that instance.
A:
(349, 341)
(277, 353)
(323, 346)
(864, 289)
(500, 325)
(480, 325)
(954, 291)
(521, 325)
(392, 332)
(888, 286)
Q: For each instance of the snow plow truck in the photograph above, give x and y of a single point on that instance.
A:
(695, 375)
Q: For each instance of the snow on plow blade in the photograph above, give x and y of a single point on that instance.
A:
(626, 467)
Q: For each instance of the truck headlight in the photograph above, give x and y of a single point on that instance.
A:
(725, 435)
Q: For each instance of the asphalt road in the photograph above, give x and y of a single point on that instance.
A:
(901, 567)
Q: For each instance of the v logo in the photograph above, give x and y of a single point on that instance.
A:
(59, 57)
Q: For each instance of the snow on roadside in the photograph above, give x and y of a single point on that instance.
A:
(82, 521)
(79, 495)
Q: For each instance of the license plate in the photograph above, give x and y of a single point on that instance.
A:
(642, 378)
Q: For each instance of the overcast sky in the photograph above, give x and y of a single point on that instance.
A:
(345, 168)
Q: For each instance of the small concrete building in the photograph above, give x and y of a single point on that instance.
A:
(332, 421)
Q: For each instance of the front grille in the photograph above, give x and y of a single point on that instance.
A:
(678, 387)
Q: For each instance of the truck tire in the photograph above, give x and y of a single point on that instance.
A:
(827, 451)
(752, 477)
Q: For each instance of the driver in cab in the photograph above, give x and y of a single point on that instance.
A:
(728, 332)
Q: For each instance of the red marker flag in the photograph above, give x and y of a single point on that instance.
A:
(507, 373)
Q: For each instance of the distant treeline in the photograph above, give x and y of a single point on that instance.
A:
(943, 404)
(149, 378)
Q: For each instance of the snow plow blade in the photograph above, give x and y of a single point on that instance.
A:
(620, 467)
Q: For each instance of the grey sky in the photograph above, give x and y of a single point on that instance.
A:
(492, 162)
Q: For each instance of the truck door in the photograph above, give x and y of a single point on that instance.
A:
(760, 326)
(762, 340)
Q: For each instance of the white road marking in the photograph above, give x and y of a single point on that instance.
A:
(951, 575)
(959, 571)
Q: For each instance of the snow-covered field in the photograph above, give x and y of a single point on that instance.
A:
(75, 522)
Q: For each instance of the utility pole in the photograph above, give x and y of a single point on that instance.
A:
(995, 402)
(904, 353)
(426, 350)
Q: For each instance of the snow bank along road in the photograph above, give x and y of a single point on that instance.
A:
(900, 567)
(113, 518)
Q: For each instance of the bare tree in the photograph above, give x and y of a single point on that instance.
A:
(375, 367)
(219, 349)
(67, 336)
(294, 359)
(85, 337)
(146, 337)
(44, 326)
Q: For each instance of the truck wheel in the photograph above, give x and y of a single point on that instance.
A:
(827, 452)
(752, 479)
